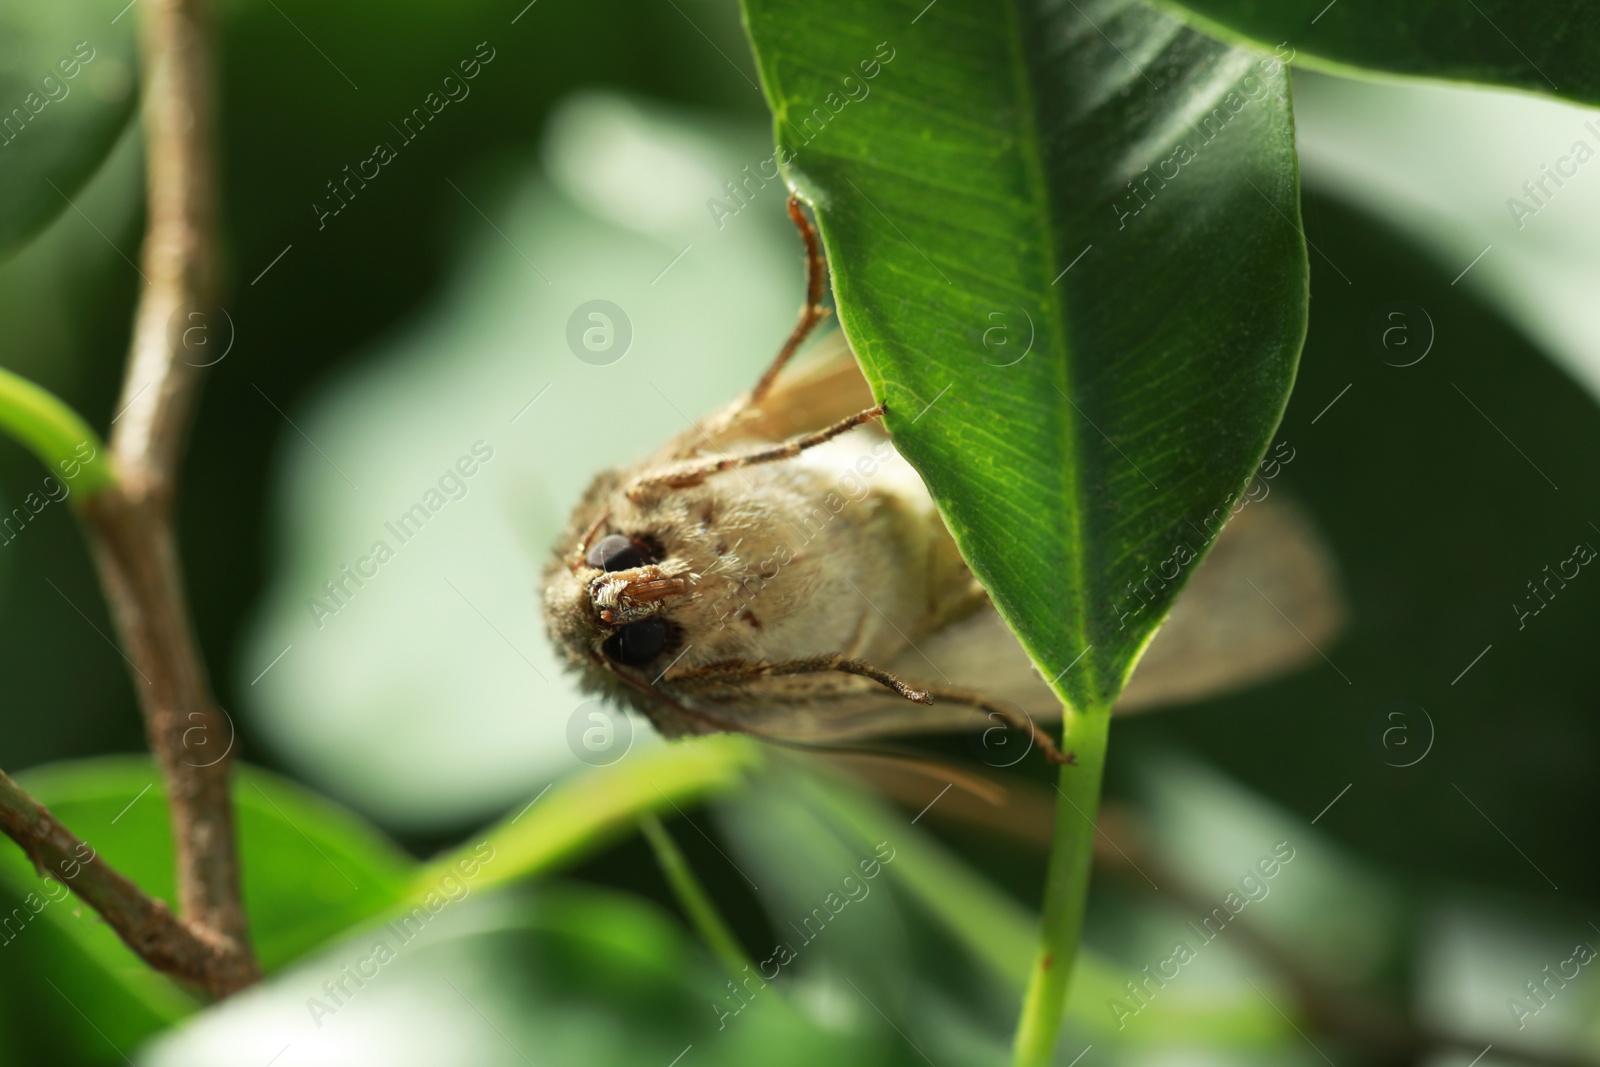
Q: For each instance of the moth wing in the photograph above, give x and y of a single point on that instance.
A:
(1260, 605)
(1265, 601)
(822, 385)
(821, 707)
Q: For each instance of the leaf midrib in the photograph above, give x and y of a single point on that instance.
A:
(1029, 142)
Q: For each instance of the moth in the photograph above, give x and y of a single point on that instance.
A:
(778, 570)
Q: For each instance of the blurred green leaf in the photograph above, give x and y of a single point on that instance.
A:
(582, 813)
(561, 975)
(799, 833)
(1337, 913)
(1075, 222)
(1418, 440)
(52, 978)
(66, 92)
(309, 870)
(1542, 48)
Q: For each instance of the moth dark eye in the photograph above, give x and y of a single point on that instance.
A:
(638, 642)
(619, 552)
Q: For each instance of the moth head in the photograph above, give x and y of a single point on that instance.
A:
(609, 603)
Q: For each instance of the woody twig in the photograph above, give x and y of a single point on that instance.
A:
(163, 940)
(134, 547)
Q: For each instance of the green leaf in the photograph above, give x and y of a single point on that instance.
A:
(126, 999)
(309, 868)
(583, 813)
(555, 975)
(1080, 385)
(66, 93)
(1064, 246)
(1543, 48)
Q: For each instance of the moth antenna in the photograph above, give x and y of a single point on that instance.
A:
(681, 477)
(743, 670)
(991, 793)
(810, 314)
(721, 724)
(576, 559)
(1024, 723)
(735, 669)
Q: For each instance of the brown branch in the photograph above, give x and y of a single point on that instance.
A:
(135, 549)
(163, 940)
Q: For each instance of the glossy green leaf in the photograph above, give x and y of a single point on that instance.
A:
(1065, 246)
(1543, 48)
(66, 93)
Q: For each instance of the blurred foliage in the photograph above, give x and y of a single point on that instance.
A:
(1454, 521)
(82, 51)
(1542, 48)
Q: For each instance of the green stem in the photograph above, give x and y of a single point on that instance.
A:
(693, 897)
(1066, 888)
(52, 431)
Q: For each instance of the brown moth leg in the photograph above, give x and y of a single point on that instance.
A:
(1045, 742)
(682, 477)
(740, 670)
(812, 313)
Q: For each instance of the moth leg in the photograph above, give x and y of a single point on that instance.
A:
(1045, 742)
(686, 475)
(812, 313)
(742, 671)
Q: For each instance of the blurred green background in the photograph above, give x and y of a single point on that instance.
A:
(429, 314)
